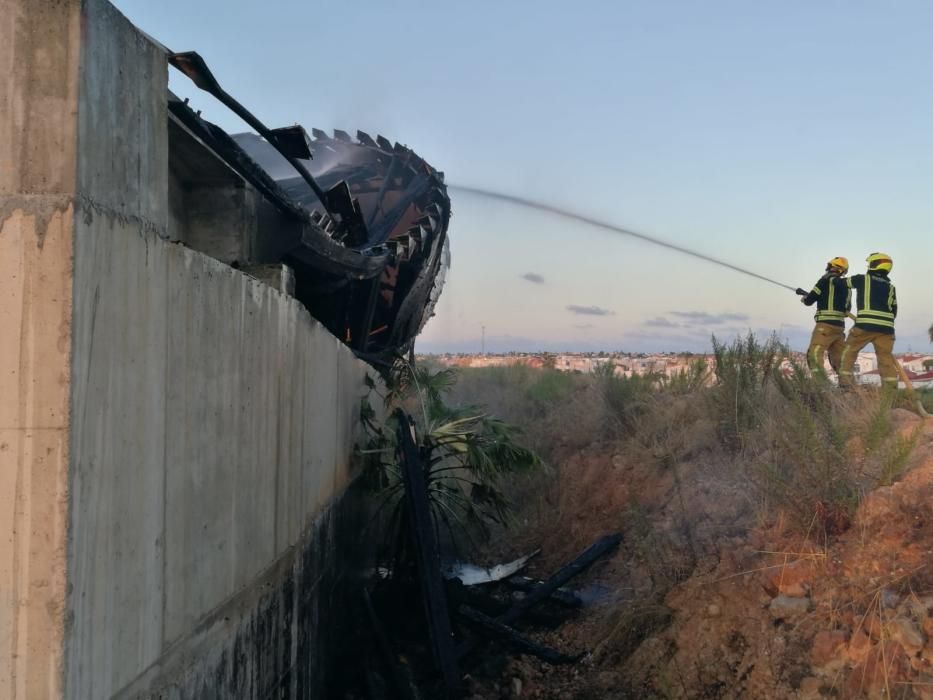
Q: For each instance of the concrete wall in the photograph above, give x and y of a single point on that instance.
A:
(184, 428)
(39, 46)
(212, 422)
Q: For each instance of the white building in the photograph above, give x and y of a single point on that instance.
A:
(915, 363)
(866, 362)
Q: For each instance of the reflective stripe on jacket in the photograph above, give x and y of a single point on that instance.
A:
(833, 300)
(876, 300)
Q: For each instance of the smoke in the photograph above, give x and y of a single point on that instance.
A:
(540, 206)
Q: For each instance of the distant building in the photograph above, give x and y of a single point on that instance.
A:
(915, 363)
(866, 362)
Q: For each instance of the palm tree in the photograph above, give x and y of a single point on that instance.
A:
(465, 453)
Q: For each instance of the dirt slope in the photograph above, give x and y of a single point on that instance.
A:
(730, 608)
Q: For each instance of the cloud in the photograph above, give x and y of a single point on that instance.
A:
(583, 326)
(533, 277)
(589, 310)
(707, 319)
(660, 322)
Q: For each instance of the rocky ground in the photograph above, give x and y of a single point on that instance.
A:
(707, 599)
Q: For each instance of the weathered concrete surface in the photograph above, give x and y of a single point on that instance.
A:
(212, 421)
(212, 209)
(223, 222)
(175, 436)
(117, 510)
(39, 47)
(39, 42)
(274, 638)
(35, 314)
(280, 277)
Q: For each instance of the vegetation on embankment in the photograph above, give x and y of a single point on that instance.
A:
(798, 443)
(721, 480)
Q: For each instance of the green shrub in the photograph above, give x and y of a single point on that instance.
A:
(803, 466)
(877, 425)
(689, 380)
(818, 450)
(744, 370)
(893, 461)
(926, 398)
(551, 385)
(625, 396)
(558, 411)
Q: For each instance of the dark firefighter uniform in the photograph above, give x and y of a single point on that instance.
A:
(876, 300)
(832, 297)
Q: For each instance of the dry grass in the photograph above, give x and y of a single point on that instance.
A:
(559, 412)
(768, 434)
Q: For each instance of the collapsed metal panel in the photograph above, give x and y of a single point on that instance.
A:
(369, 236)
(405, 207)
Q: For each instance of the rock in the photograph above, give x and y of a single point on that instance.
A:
(713, 610)
(792, 580)
(877, 508)
(889, 599)
(516, 687)
(904, 421)
(608, 682)
(859, 646)
(875, 625)
(881, 669)
(827, 652)
(921, 665)
(923, 687)
(784, 606)
(810, 688)
(905, 632)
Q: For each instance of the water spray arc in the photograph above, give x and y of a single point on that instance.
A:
(557, 211)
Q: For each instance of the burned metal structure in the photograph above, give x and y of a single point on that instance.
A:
(361, 222)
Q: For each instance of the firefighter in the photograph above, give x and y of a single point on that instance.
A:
(876, 300)
(832, 297)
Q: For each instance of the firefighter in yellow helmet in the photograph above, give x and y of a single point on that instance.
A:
(876, 300)
(832, 297)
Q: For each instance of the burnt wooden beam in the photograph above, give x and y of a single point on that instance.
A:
(404, 688)
(510, 635)
(581, 563)
(600, 548)
(564, 596)
(428, 556)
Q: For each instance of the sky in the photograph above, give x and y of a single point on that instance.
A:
(772, 135)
